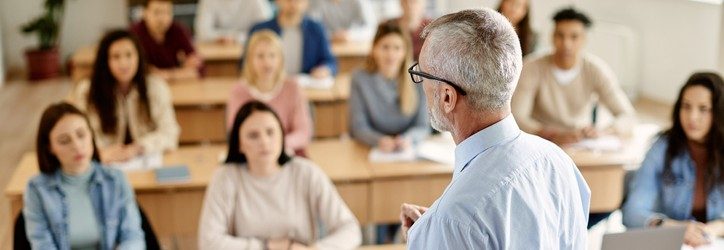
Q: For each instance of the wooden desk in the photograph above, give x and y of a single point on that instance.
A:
(351, 55)
(200, 107)
(222, 60)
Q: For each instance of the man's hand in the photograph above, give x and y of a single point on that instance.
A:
(410, 213)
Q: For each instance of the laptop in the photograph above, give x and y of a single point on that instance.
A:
(643, 239)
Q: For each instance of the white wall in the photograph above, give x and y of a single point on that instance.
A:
(84, 23)
(676, 37)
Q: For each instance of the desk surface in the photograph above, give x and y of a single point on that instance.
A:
(215, 91)
(85, 56)
(343, 161)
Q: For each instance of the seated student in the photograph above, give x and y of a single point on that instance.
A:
(385, 108)
(168, 45)
(264, 199)
(681, 180)
(345, 20)
(75, 202)
(264, 80)
(229, 21)
(556, 93)
(306, 48)
(518, 13)
(413, 20)
(130, 114)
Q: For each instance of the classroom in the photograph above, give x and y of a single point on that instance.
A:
(362, 124)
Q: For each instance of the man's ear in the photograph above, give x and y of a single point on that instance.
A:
(449, 99)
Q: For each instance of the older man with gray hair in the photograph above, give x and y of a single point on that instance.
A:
(510, 189)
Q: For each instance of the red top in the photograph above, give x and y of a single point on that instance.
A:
(177, 42)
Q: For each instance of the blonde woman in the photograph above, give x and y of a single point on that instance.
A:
(385, 107)
(264, 80)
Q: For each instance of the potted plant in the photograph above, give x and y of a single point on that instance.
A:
(44, 61)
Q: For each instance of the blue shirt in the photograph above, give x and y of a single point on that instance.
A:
(316, 48)
(46, 211)
(509, 190)
(649, 197)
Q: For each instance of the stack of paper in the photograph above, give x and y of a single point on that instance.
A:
(377, 155)
(142, 162)
(440, 148)
(308, 81)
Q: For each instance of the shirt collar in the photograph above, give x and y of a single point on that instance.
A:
(54, 179)
(477, 143)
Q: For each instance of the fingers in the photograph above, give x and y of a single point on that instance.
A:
(695, 234)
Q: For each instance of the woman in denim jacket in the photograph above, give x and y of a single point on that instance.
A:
(681, 181)
(76, 203)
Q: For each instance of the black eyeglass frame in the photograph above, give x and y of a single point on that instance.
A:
(414, 73)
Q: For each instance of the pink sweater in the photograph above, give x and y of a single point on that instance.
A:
(287, 100)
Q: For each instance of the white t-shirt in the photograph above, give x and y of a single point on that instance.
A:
(292, 42)
(566, 76)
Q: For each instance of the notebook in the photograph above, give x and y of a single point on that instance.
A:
(172, 174)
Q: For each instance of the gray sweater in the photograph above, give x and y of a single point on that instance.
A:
(374, 110)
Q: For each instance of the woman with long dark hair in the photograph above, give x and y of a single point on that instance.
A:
(681, 181)
(75, 202)
(130, 113)
(518, 13)
(263, 198)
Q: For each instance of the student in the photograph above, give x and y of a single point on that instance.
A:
(681, 180)
(518, 13)
(264, 80)
(556, 93)
(386, 110)
(264, 199)
(413, 20)
(130, 114)
(168, 46)
(229, 21)
(345, 20)
(75, 202)
(306, 48)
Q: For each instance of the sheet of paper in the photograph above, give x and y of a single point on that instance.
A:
(150, 161)
(377, 155)
(717, 244)
(607, 143)
(439, 148)
(308, 81)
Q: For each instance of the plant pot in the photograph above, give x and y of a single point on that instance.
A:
(43, 64)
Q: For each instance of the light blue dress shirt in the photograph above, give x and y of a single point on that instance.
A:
(509, 190)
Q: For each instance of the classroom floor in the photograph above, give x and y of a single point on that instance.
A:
(21, 104)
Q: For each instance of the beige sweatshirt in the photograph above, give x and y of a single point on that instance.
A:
(162, 137)
(541, 102)
(300, 202)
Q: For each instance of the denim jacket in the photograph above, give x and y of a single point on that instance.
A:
(649, 197)
(46, 213)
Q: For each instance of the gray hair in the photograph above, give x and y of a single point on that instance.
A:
(479, 50)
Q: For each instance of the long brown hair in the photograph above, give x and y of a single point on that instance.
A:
(525, 32)
(47, 161)
(677, 139)
(104, 86)
(409, 98)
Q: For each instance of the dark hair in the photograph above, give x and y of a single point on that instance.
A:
(234, 155)
(570, 14)
(47, 161)
(525, 32)
(147, 2)
(104, 86)
(677, 140)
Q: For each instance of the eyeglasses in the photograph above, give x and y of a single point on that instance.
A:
(417, 76)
